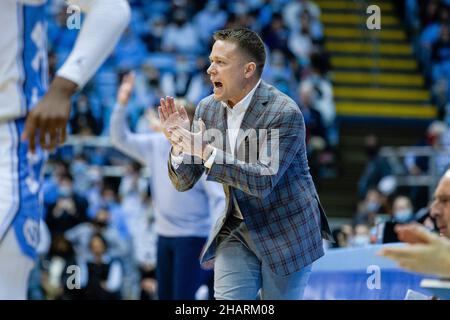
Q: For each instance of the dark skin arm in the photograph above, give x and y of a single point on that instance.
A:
(46, 123)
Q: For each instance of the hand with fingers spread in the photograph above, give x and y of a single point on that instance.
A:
(189, 142)
(125, 89)
(170, 115)
(46, 123)
(427, 252)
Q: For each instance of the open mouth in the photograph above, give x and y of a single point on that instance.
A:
(217, 84)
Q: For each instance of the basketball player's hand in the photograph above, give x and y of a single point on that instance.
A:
(125, 89)
(46, 123)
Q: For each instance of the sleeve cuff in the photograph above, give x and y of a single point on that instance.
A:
(176, 161)
(208, 164)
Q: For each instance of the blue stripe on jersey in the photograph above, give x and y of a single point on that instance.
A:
(34, 53)
(27, 219)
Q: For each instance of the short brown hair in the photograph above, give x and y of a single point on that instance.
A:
(248, 41)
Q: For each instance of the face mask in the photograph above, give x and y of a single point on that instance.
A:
(360, 240)
(212, 6)
(182, 67)
(403, 215)
(82, 108)
(65, 191)
(240, 8)
(79, 168)
(373, 206)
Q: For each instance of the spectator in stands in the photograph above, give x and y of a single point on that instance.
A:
(109, 200)
(209, 19)
(313, 119)
(153, 36)
(182, 219)
(420, 165)
(149, 285)
(176, 83)
(402, 213)
(54, 272)
(80, 236)
(70, 208)
(361, 236)
(50, 185)
(101, 274)
(292, 11)
(300, 42)
(440, 58)
(429, 36)
(313, 25)
(279, 73)
(83, 122)
(276, 34)
(79, 169)
(200, 85)
(342, 235)
(323, 100)
(440, 54)
(376, 168)
(130, 52)
(373, 204)
(181, 36)
(402, 210)
(148, 86)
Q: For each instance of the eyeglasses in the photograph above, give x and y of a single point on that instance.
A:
(444, 200)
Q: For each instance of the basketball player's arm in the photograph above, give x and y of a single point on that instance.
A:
(103, 25)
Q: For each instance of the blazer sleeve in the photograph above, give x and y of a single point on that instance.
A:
(186, 175)
(285, 137)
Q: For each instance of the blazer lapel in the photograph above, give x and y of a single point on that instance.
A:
(253, 112)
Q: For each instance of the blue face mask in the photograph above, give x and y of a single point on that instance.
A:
(403, 215)
(79, 168)
(373, 206)
(65, 192)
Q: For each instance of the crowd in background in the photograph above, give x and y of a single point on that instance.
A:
(104, 224)
(428, 22)
(381, 199)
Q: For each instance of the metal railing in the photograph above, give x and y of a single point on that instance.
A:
(396, 159)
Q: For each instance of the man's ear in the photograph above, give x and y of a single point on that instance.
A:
(250, 69)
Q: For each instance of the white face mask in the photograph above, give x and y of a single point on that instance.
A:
(403, 215)
(360, 240)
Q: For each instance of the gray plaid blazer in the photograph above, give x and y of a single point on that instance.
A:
(279, 203)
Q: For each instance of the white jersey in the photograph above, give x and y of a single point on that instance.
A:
(23, 56)
(23, 49)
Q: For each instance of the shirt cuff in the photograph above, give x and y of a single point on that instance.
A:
(208, 164)
(176, 160)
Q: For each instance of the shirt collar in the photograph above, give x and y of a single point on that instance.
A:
(242, 105)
